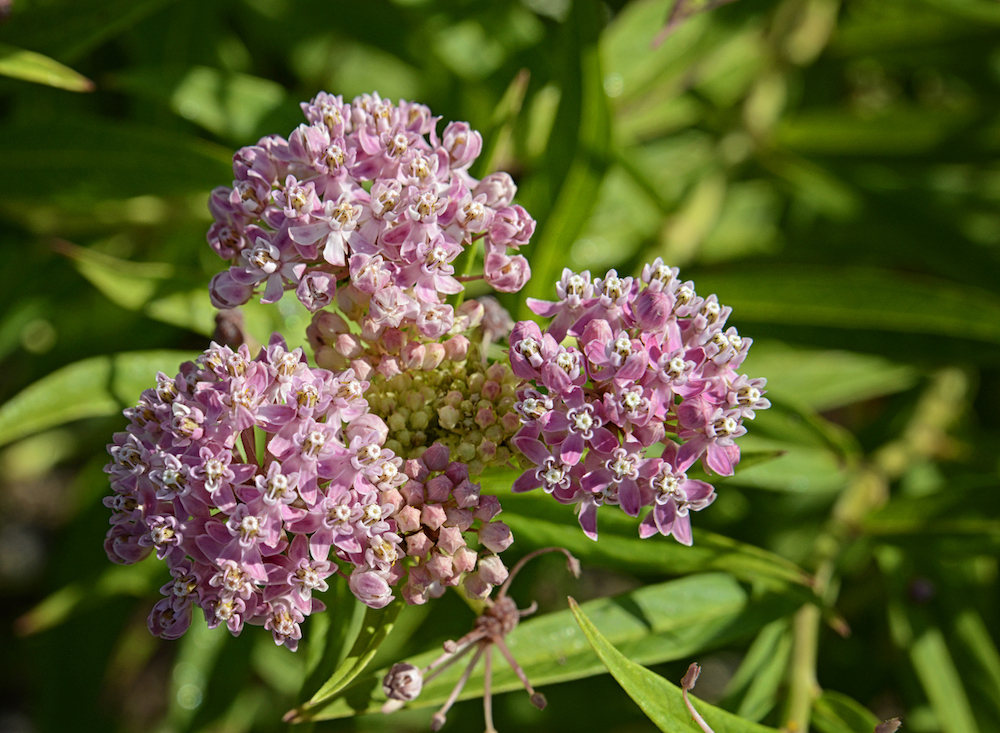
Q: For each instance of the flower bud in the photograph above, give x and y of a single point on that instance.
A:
(225, 292)
(499, 189)
(492, 570)
(476, 587)
(450, 540)
(495, 536)
(370, 588)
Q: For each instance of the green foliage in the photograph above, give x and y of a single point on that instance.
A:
(827, 167)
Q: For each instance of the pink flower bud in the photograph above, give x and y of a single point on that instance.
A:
(499, 189)
(225, 292)
(412, 356)
(433, 356)
(392, 340)
(456, 348)
(438, 489)
(492, 570)
(465, 560)
(418, 545)
(450, 540)
(489, 507)
(461, 518)
(506, 274)
(462, 143)
(369, 427)
(432, 515)
(652, 309)
(466, 495)
(371, 589)
(435, 458)
(476, 587)
(495, 536)
(440, 566)
(408, 519)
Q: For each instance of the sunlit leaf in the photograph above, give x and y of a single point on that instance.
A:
(824, 378)
(538, 521)
(18, 63)
(753, 690)
(837, 713)
(658, 698)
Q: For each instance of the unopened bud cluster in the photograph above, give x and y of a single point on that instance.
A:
(438, 512)
(653, 368)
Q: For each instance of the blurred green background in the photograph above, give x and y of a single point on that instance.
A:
(831, 169)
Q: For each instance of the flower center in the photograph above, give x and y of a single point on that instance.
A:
(313, 443)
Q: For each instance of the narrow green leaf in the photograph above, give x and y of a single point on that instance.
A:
(129, 284)
(96, 387)
(941, 681)
(823, 379)
(837, 132)
(858, 298)
(654, 624)
(374, 629)
(837, 713)
(981, 650)
(132, 580)
(18, 63)
(659, 699)
(753, 690)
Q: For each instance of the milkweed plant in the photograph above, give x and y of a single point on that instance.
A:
(356, 448)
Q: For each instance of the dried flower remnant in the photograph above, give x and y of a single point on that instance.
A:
(404, 681)
(687, 684)
(649, 359)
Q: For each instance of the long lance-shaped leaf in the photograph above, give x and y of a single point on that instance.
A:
(374, 629)
(95, 387)
(19, 63)
(825, 296)
(671, 620)
(660, 700)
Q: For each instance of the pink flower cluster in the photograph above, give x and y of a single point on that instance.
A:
(367, 206)
(652, 359)
(248, 477)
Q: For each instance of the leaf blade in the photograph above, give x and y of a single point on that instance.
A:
(19, 63)
(658, 698)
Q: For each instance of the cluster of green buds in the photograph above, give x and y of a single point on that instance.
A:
(466, 405)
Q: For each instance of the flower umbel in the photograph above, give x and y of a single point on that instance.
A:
(645, 387)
